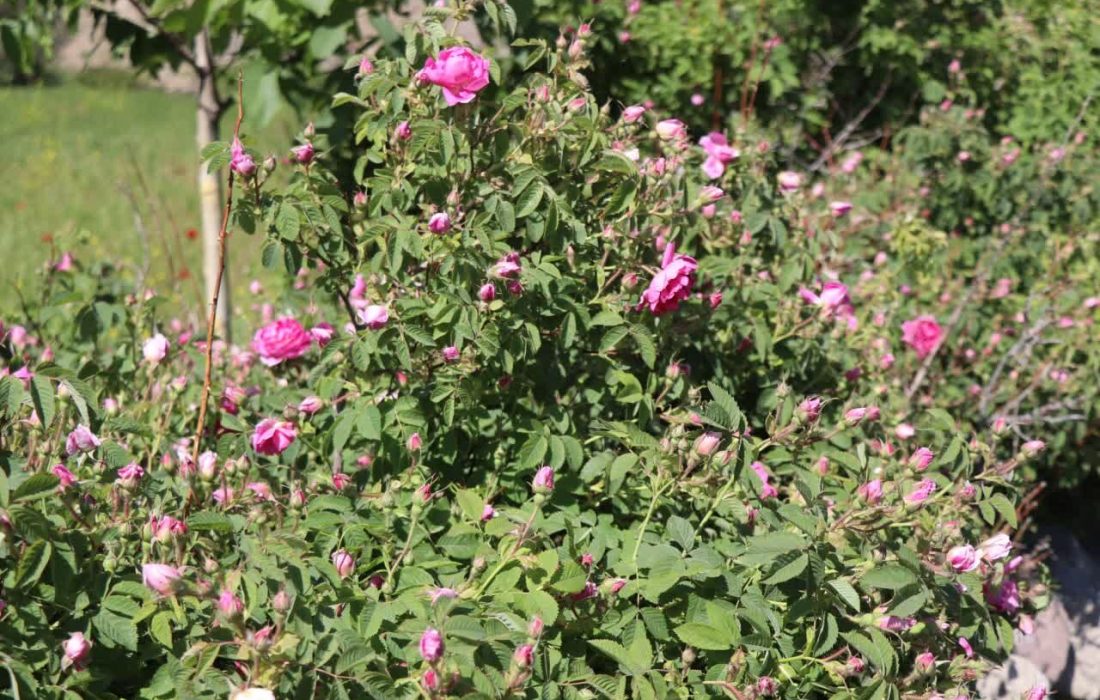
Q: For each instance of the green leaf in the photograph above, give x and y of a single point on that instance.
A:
(764, 548)
(42, 395)
(703, 636)
(888, 576)
(32, 563)
(790, 569)
(618, 653)
(36, 486)
(728, 405)
(681, 532)
(533, 451)
(117, 629)
(210, 521)
(1003, 506)
(845, 592)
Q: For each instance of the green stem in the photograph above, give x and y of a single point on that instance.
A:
(645, 522)
(515, 548)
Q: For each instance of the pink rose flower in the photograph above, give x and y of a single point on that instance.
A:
(487, 292)
(920, 492)
(544, 480)
(672, 284)
(285, 339)
(671, 129)
(766, 489)
(77, 650)
(374, 316)
(440, 222)
(239, 161)
(160, 578)
(524, 655)
(155, 349)
(459, 71)
(65, 478)
(995, 548)
(923, 334)
(81, 440)
(719, 154)
(272, 436)
(450, 354)
(963, 558)
(840, 208)
(789, 181)
(633, 113)
(431, 645)
(871, 492)
(303, 153)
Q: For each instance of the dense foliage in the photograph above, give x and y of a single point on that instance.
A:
(557, 401)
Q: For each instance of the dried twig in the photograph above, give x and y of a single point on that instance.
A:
(212, 316)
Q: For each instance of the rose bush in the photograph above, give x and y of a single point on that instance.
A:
(627, 424)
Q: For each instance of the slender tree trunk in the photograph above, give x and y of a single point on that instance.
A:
(208, 115)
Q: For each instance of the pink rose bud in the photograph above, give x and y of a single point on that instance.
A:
(671, 129)
(822, 465)
(450, 354)
(904, 431)
(431, 645)
(488, 512)
(920, 492)
(855, 416)
(160, 578)
(229, 605)
(809, 409)
(1036, 693)
(366, 67)
(487, 292)
(208, 465)
(240, 162)
(967, 649)
(963, 558)
(789, 181)
(524, 655)
(534, 630)
(1032, 447)
(855, 665)
(430, 680)
(707, 443)
(340, 481)
(80, 440)
(281, 601)
(925, 661)
(403, 132)
(130, 475)
(304, 153)
(839, 209)
(921, 459)
(77, 650)
(414, 443)
(460, 73)
(543, 483)
(343, 562)
(633, 113)
(871, 492)
(440, 222)
(273, 437)
(155, 349)
(311, 404)
(359, 200)
(766, 686)
(65, 478)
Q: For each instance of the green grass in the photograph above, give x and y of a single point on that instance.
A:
(75, 154)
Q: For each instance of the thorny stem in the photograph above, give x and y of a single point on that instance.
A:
(213, 313)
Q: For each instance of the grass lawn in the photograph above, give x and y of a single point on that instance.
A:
(83, 157)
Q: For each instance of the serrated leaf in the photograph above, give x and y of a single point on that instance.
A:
(788, 570)
(846, 592)
(618, 653)
(702, 636)
(42, 396)
(35, 486)
(160, 628)
(117, 629)
(32, 563)
(210, 521)
(888, 576)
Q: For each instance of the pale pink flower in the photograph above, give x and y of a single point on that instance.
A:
(431, 645)
(343, 562)
(77, 650)
(920, 492)
(766, 489)
(671, 129)
(544, 480)
(285, 339)
(995, 548)
(440, 222)
(719, 154)
(81, 439)
(160, 578)
(789, 181)
(155, 349)
(924, 334)
(374, 316)
(272, 436)
(963, 558)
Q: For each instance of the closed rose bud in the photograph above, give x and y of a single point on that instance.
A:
(995, 548)
(921, 459)
(359, 200)
(311, 404)
(281, 601)
(543, 483)
(766, 686)
(488, 513)
(431, 645)
(871, 492)
(925, 661)
(822, 465)
(77, 649)
(414, 443)
(440, 222)
(304, 153)
(524, 655)
(963, 558)
(160, 578)
(343, 562)
(534, 629)
(1032, 448)
(487, 292)
(229, 605)
(706, 444)
(430, 680)
(403, 132)
(809, 410)
(450, 354)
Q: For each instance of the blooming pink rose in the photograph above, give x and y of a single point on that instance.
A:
(303, 153)
(923, 334)
(440, 222)
(507, 267)
(672, 284)
(995, 548)
(155, 349)
(459, 71)
(240, 162)
(160, 578)
(285, 339)
(272, 436)
(1004, 598)
(65, 477)
(719, 154)
(77, 649)
(431, 645)
(374, 316)
(963, 558)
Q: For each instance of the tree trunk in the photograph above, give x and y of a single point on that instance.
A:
(208, 115)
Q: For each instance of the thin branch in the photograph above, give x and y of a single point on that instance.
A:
(213, 314)
(850, 128)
